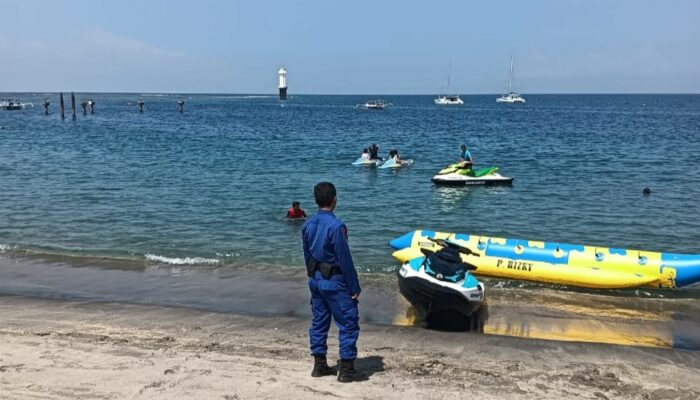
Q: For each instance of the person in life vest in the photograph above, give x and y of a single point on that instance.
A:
(296, 212)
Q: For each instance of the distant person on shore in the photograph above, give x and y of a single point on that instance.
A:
(374, 152)
(296, 212)
(334, 285)
(465, 157)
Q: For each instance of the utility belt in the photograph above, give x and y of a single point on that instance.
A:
(327, 270)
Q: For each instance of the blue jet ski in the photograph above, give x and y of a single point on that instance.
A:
(440, 281)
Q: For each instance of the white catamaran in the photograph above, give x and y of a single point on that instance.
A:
(509, 96)
(448, 99)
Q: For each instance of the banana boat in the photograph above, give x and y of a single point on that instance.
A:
(565, 264)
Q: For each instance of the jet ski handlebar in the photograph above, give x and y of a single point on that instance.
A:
(445, 243)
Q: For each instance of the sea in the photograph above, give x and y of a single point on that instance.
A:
(188, 209)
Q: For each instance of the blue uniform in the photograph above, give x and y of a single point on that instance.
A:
(325, 239)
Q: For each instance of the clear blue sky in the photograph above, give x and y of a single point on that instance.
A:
(359, 46)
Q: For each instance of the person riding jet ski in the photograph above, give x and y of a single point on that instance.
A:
(464, 173)
(368, 158)
(365, 155)
(465, 157)
(374, 152)
(394, 155)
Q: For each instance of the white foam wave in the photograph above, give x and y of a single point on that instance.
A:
(5, 247)
(182, 261)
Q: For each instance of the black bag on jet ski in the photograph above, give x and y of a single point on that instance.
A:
(446, 265)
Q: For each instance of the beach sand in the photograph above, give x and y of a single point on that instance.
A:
(55, 349)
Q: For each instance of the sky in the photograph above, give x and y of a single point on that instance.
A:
(350, 47)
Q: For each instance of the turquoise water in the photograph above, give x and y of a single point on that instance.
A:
(211, 185)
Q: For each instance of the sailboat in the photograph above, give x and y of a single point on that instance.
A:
(448, 99)
(509, 96)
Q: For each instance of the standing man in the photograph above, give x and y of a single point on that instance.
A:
(333, 283)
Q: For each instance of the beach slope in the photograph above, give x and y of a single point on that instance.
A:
(84, 350)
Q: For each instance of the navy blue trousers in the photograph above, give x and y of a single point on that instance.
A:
(331, 298)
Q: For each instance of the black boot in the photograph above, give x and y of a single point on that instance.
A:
(347, 372)
(321, 367)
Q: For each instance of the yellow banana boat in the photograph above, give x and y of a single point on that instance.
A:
(565, 264)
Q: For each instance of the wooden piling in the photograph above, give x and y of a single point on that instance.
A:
(72, 104)
(63, 110)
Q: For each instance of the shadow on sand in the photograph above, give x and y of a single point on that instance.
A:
(456, 322)
(366, 367)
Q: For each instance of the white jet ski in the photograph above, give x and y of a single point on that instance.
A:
(368, 162)
(456, 175)
(391, 163)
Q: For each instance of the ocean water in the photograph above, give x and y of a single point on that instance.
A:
(211, 185)
(203, 193)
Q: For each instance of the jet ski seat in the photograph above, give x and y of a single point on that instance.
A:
(446, 265)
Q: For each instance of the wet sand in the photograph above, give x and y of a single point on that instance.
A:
(669, 319)
(89, 350)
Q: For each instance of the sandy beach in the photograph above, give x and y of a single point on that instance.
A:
(54, 349)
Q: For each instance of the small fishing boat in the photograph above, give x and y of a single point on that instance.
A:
(508, 95)
(14, 104)
(591, 267)
(373, 105)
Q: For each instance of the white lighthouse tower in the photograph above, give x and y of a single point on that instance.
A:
(283, 83)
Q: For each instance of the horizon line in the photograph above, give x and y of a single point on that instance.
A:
(347, 94)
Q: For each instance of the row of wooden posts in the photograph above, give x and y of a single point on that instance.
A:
(91, 105)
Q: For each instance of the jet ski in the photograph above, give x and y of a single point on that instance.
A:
(368, 162)
(391, 163)
(457, 175)
(440, 281)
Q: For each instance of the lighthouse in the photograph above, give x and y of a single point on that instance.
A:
(282, 83)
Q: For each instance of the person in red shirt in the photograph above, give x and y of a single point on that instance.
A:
(296, 212)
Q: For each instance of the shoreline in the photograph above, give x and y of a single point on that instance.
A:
(71, 349)
(663, 319)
